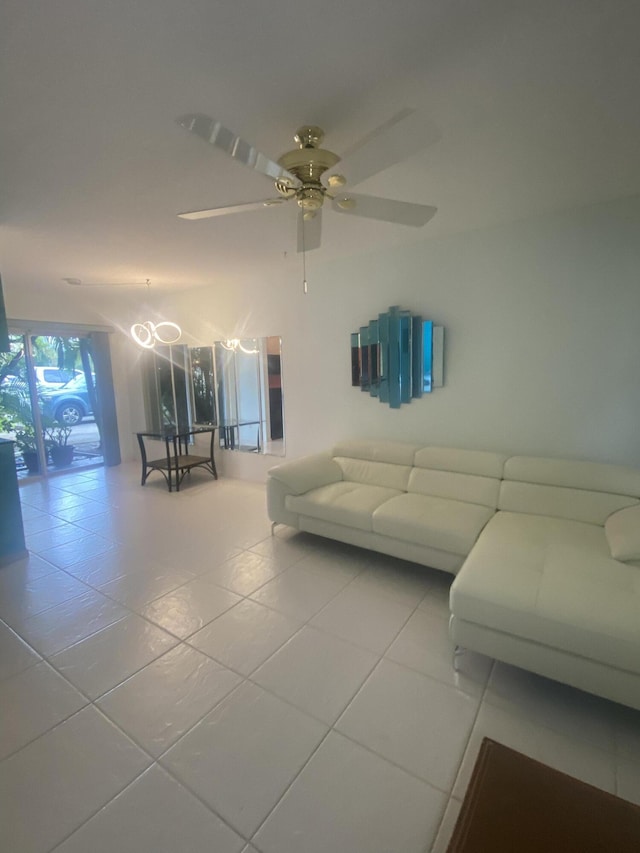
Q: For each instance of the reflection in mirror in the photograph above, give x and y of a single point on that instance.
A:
(202, 386)
(165, 391)
(249, 395)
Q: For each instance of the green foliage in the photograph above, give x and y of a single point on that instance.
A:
(12, 364)
(16, 417)
(59, 351)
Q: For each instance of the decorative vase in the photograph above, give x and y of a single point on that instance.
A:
(62, 456)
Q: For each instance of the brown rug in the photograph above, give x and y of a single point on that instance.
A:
(517, 805)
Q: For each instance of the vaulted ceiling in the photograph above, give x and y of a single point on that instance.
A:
(536, 104)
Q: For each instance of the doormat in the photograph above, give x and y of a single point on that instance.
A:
(517, 805)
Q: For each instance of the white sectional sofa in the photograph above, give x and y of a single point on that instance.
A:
(546, 552)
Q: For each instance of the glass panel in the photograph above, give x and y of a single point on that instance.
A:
(16, 412)
(66, 382)
(394, 358)
(383, 351)
(427, 356)
(364, 358)
(166, 392)
(227, 400)
(151, 391)
(249, 393)
(438, 357)
(180, 363)
(406, 383)
(59, 424)
(275, 438)
(355, 359)
(202, 383)
(374, 359)
(416, 356)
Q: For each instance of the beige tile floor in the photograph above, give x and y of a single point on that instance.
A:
(174, 679)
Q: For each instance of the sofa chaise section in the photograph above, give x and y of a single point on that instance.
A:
(540, 588)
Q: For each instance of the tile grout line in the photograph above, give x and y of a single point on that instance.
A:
(248, 678)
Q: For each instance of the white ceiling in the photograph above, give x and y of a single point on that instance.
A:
(537, 104)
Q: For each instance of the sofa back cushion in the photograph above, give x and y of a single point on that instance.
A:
(457, 487)
(463, 475)
(376, 463)
(479, 462)
(394, 452)
(580, 491)
(374, 473)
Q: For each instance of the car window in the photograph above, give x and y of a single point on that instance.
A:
(55, 375)
(76, 384)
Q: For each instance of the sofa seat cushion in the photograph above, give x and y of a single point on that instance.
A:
(349, 504)
(552, 581)
(449, 525)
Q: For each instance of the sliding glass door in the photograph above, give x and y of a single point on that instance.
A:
(18, 404)
(49, 403)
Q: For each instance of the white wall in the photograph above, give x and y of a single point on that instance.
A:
(542, 348)
(542, 339)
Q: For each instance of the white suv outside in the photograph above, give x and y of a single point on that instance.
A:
(48, 376)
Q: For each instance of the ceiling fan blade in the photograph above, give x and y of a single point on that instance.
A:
(78, 282)
(400, 137)
(226, 140)
(232, 208)
(372, 207)
(309, 231)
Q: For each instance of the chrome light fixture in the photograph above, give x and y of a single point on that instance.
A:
(148, 334)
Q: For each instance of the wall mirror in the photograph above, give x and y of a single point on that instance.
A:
(167, 402)
(203, 386)
(249, 394)
(234, 384)
(397, 357)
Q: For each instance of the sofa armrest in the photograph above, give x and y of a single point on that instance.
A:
(309, 472)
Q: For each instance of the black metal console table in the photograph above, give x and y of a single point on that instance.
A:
(178, 461)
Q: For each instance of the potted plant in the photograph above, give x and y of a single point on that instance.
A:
(57, 438)
(15, 418)
(25, 437)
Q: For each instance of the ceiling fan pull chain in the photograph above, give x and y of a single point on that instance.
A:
(305, 286)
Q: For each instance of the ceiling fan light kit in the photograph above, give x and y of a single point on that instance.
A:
(302, 174)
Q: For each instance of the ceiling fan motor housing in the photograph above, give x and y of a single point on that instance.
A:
(308, 163)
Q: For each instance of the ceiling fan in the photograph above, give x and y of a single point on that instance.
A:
(309, 173)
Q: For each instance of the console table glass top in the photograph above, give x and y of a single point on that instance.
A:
(177, 461)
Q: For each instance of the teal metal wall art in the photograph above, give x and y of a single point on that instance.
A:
(397, 357)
